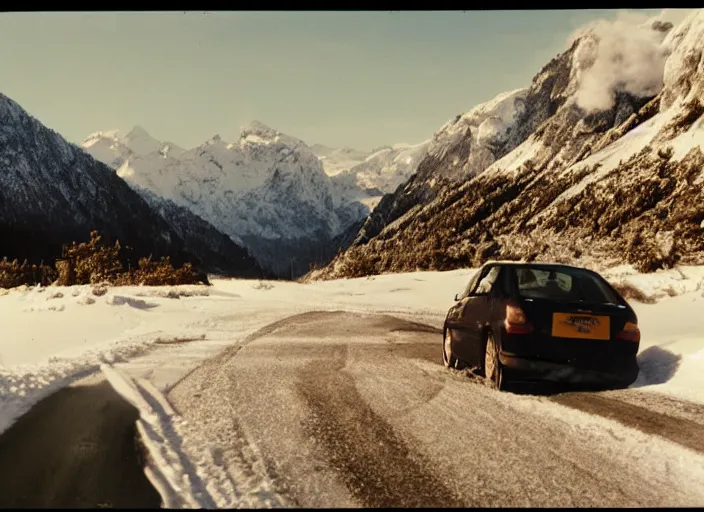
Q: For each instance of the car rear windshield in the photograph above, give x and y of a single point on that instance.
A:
(568, 285)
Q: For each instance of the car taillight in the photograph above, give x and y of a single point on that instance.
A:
(630, 332)
(516, 321)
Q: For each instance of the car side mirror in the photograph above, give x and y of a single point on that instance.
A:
(457, 297)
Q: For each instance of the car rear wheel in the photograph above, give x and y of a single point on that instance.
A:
(493, 371)
(448, 359)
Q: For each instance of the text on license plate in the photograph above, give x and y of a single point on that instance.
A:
(590, 327)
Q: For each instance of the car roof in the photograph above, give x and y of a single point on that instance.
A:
(536, 264)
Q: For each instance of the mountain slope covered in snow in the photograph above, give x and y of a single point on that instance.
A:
(267, 190)
(599, 160)
(53, 193)
(336, 160)
(288, 202)
(380, 173)
(113, 149)
(221, 254)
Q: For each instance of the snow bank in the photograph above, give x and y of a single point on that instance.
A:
(22, 387)
(162, 440)
(45, 322)
(54, 336)
(184, 467)
(672, 349)
(152, 334)
(659, 285)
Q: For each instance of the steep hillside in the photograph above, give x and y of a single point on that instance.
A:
(52, 193)
(463, 147)
(221, 254)
(600, 164)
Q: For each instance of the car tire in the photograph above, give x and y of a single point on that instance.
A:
(493, 371)
(448, 359)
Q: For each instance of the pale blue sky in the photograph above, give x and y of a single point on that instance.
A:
(356, 79)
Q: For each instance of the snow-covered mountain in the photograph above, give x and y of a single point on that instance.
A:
(598, 162)
(461, 148)
(53, 193)
(387, 168)
(113, 149)
(381, 172)
(336, 160)
(266, 190)
(367, 176)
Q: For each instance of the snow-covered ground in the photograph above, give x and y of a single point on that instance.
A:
(156, 336)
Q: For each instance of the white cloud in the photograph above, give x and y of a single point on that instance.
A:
(624, 54)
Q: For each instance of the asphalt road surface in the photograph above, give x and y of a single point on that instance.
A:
(75, 449)
(348, 410)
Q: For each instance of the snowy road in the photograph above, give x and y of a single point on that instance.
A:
(339, 409)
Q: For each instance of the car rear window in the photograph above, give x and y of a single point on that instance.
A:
(571, 285)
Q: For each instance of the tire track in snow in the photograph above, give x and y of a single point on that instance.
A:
(374, 462)
(683, 431)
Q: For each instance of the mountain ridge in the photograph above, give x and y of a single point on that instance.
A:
(267, 190)
(53, 193)
(598, 187)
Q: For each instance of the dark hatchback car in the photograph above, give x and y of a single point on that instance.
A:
(537, 322)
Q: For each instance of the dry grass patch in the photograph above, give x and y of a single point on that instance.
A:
(94, 263)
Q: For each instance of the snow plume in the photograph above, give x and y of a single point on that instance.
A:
(621, 55)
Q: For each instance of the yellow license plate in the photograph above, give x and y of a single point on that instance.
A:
(589, 327)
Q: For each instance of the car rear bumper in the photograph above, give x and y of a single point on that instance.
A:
(532, 370)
